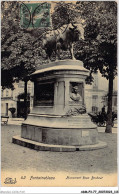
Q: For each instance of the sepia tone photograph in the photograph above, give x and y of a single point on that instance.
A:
(59, 94)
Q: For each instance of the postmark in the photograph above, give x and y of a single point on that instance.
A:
(35, 15)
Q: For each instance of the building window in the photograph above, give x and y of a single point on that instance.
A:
(94, 109)
(94, 96)
(94, 103)
(95, 99)
(105, 100)
(1, 93)
(95, 83)
(7, 93)
(115, 101)
(21, 85)
(6, 114)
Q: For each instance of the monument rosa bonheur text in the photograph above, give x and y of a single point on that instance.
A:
(58, 121)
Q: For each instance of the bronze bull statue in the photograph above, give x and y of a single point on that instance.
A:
(62, 39)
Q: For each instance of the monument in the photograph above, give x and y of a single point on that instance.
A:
(58, 121)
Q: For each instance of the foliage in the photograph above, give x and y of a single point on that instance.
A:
(100, 118)
(99, 50)
(69, 10)
(19, 58)
(22, 96)
(12, 110)
(100, 20)
(21, 49)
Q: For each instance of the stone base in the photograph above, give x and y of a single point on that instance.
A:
(58, 130)
(57, 148)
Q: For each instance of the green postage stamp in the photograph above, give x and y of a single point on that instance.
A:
(34, 15)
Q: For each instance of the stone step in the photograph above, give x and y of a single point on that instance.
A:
(56, 148)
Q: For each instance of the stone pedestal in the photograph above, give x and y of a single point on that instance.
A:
(58, 121)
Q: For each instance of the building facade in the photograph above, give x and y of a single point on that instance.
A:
(95, 93)
(15, 99)
(95, 97)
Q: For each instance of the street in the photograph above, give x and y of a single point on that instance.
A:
(15, 157)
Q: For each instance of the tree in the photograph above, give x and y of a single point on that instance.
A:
(102, 54)
(20, 56)
(69, 10)
(99, 50)
(19, 59)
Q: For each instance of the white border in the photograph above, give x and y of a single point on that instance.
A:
(60, 189)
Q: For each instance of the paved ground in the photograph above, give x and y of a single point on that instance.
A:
(20, 158)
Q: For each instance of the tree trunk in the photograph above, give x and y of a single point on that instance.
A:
(25, 99)
(109, 110)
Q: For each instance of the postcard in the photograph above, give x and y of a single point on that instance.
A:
(59, 94)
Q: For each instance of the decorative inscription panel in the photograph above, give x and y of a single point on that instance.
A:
(74, 122)
(44, 94)
(85, 133)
